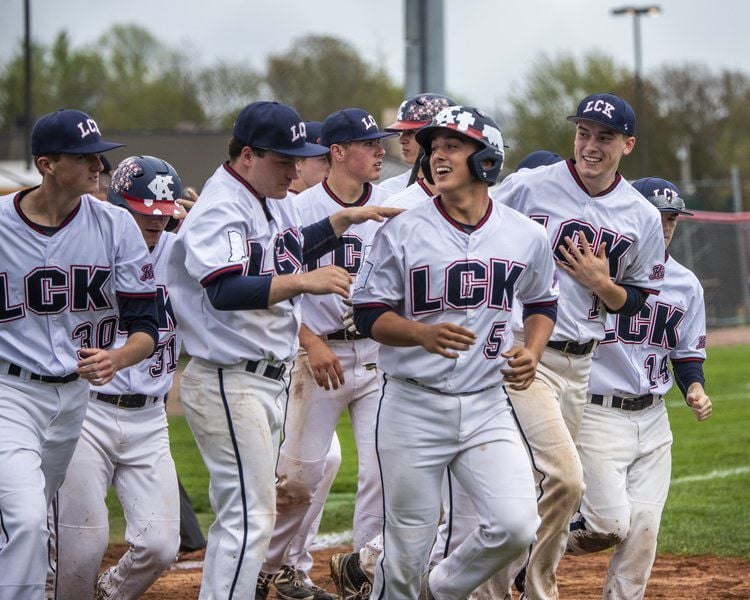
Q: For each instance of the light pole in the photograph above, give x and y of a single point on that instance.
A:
(640, 110)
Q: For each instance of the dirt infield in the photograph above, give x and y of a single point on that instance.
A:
(674, 577)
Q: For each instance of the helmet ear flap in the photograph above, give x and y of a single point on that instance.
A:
(478, 170)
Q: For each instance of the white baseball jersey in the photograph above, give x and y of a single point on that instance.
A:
(633, 357)
(58, 293)
(555, 197)
(322, 314)
(153, 376)
(426, 268)
(414, 195)
(395, 184)
(232, 230)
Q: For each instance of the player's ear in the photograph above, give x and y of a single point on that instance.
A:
(44, 165)
(629, 145)
(337, 152)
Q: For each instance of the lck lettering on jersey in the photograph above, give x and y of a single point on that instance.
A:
(468, 284)
(287, 255)
(348, 255)
(617, 245)
(50, 290)
(656, 325)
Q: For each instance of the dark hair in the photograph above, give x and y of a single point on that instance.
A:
(236, 146)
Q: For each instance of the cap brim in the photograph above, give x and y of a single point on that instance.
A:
(157, 208)
(370, 136)
(399, 126)
(94, 148)
(303, 151)
(576, 119)
(676, 210)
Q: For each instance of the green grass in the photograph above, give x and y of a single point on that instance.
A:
(701, 517)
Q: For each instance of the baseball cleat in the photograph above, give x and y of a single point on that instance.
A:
(262, 585)
(289, 585)
(351, 581)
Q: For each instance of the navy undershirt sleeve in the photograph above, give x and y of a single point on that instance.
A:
(687, 372)
(548, 310)
(365, 317)
(633, 303)
(139, 314)
(319, 239)
(234, 291)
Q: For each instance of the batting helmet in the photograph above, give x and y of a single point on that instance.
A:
(418, 111)
(663, 194)
(146, 185)
(474, 124)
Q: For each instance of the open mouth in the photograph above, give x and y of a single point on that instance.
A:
(442, 170)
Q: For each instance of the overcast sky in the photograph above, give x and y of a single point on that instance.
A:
(490, 44)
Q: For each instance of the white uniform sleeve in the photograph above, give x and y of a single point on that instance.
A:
(134, 272)
(381, 278)
(539, 283)
(507, 193)
(217, 244)
(646, 271)
(692, 340)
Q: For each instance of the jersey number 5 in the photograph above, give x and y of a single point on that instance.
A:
(494, 340)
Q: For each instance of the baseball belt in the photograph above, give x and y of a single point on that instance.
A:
(571, 347)
(127, 400)
(265, 368)
(638, 403)
(343, 335)
(16, 371)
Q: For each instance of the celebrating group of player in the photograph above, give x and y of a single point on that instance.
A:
(503, 354)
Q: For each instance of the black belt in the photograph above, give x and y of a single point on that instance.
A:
(575, 348)
(127, 400)
(262, 368)
(343, 335)
(17, 371)
(638, 403)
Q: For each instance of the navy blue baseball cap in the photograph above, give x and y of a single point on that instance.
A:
(607, 109)
(312, 131)
(68, 131)
(663, 194)
(276, 127)
(540, 158)
(350, 125)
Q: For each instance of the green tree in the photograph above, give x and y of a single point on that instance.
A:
(321, 74)
(150, 86)
(224, 89)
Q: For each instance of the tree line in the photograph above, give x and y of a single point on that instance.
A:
(698, 119)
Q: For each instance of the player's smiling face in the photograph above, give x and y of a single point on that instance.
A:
(449, 160)
(409, 146)
(151, 226)
(78, 173)
(598, 150)
(273, 173)
(363, 159)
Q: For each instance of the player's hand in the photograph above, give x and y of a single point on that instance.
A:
(97, 366)
(190, 197)
(325, 366)
(589, 269)
(347, 318)
(444, 337)
(699, 402)
(327, 280)
(342, 220)
(522, 363)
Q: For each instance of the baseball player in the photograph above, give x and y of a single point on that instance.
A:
(314, 169)
(334, 370)
(413, 113)
(437, 291)
(124, 441)
(608, 246)
(72, 267)
(234, 273)
(624, 440)
(310, 172)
